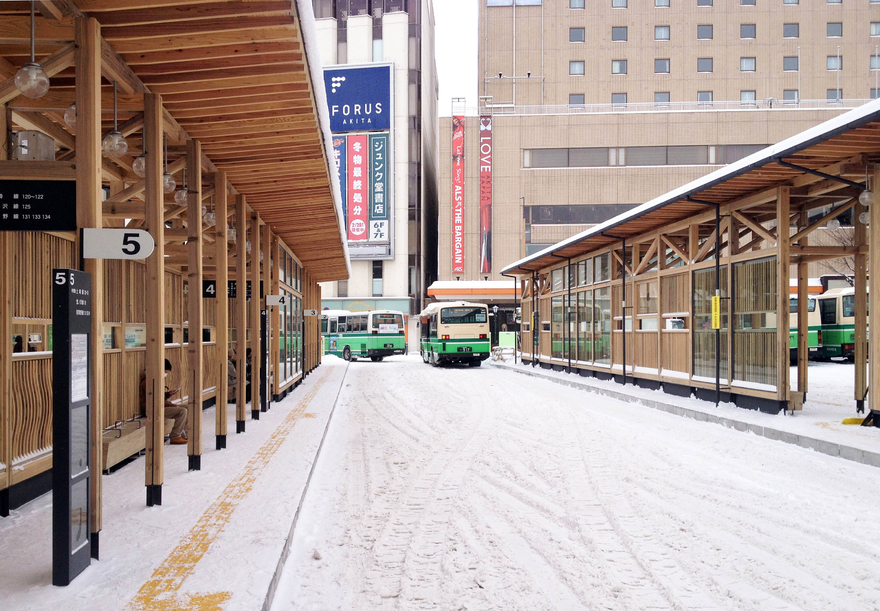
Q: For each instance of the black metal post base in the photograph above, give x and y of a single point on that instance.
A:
(195, 462)
(264, 408)
(4, 503)
(239, 426)
(94, 538)
(154, 494)
(221, 442)
(255, 414)
(860, 406)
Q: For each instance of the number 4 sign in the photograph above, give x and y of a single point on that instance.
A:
(276, 300)
(117, 244)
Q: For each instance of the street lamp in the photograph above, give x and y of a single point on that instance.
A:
(495, 312)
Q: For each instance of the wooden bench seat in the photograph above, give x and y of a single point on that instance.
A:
(126, 439)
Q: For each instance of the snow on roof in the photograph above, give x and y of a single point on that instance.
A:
(452, 285)
(824, 131)
(309, 34)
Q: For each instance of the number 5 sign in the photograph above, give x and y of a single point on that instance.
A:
(117, 244)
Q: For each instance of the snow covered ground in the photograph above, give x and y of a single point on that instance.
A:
(482, 488)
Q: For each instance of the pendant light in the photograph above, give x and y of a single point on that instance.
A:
(70, 116)
(114, 144)
(231, 234)
(866, 198)
(168, 181)
(865, 217)
(180, 196)
(139, 166)
(210, 217)
(31, 79)
(833, 225)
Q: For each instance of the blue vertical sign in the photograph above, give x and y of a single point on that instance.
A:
(359, 98)
(339, 158)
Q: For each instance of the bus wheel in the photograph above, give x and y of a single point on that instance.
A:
(346, 353)
(376, 359)
(475, 363)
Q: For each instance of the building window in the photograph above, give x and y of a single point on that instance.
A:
(791, 30)
(834, 62)
(377, 278)
(704, 2)
(661, 32)
(661, 66)
(790, 95)
(342, 288)
(704, 64)
(875, 92)
(661, 98)
(704, 32)
(790, 63)
(618, 3)
(575, 99)
(747, 30)
(665, 3)
(835, 1)
(576, 68)
(618, 66)
(576, 35)
(834, 30)
(618, 99)
(704, 97)
(576, 4)
(790, 1)
(747, 97)
(747, 2)
(747, 64)
(834, 94)
(875, 28)
(618, 34)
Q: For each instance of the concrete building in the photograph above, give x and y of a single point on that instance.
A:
(396, 257)
(596, 107)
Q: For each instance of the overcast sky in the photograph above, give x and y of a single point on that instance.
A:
(456, 31)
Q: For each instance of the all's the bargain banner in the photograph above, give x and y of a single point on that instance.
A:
(457, 195)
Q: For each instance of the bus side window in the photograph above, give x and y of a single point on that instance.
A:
(828, 311)
(332, 326)
(324, 325)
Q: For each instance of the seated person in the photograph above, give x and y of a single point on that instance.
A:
(231, 375)
(176, 412)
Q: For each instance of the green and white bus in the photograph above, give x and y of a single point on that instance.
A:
(375, 334)
(837, 308)
(330, 325)
(455, 332)
(814, 329)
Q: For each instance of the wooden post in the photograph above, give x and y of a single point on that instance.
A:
(275, 346)
(266, 243)
(860, 233)
(5, 368)
(196, 307)
(783, 251)
(221, 254)
(874, 300)
(256, 302)
(89, 214)
(803, 321)
(155, 300)
(240, 312)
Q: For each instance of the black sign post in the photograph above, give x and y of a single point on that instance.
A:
(37, 205)
(72, 407)
(265, 403)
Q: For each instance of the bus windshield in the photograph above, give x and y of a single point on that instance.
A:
(381, 322)
(457, 316)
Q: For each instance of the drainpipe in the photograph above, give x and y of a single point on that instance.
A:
(623, 307)
(536, 323)
(515, 305)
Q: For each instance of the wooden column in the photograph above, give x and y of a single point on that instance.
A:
(266, 242)
(255, 305)
(275, 347)
(89, 214)
(860, 233)
(5, 353)
(803, 321)
(874, 299)
(155, 300)
(221, 256)
(782, 292)
(240, 311)
(196, 307)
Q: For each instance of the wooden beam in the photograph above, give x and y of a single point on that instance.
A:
(783, 388)
(275, 315)
(652, 249)
(874, 297)
(155, 301)
(57, 9)
(45, 170)
(833, 214)
(255, 306)
(31, 120)
(803, 321)
(240, 312)
(222, 307)
(195, 304)
(5, 331)
(88, 214)
(16, 30)
(138, 187)
(60, 60)
(756, 228)
(860, 349)
(114, 68)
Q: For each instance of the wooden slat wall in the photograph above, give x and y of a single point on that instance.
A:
(31, 408)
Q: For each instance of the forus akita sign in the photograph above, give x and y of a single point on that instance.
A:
(359, 98)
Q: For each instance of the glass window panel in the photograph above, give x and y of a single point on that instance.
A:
(661, 32)
(661, 98)
(585, 326)
(556, 280)
(704, 97)
(618, 98)
(747, 64)
(645, 155)
(704, 2)
(576, 34)
(834, 94)
(647, 297)
(576, 68)
(790, 64)
(556, 327)
(618, 34)
(747, 30)
(704, 64)
(875, 62)
(618, 66)
(576, 4)
(602, 326)
(875, 28)
(834, 62)
(575, 99)
(834, 29)
(791, 30)
(618, 3)
(549, 158)
(790, 95)
(704, 335)
(747, 97)
(687, 155)
(790, 1)
(704, 32)
(603, 267)
(588, 158)
(661, 66)
(754, 323)
(665, 3)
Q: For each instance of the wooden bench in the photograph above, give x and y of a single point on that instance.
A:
(125, 439)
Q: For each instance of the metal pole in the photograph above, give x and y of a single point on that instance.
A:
(799, 77)
(718, 294)
(515, 306)
(623, 305)
(535, 315)
(568, 314)
(839, 97)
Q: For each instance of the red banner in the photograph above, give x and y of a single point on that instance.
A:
(457, 195)
(358, 188)
(485, 194)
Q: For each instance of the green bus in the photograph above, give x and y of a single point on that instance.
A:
(330, 326)
(455, 332)
(814, 329)
(837, 308)
(374, 334)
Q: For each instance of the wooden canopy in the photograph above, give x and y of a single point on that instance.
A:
(822, 166)
(232, 74)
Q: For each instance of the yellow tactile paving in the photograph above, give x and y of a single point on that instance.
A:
(160, 593)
